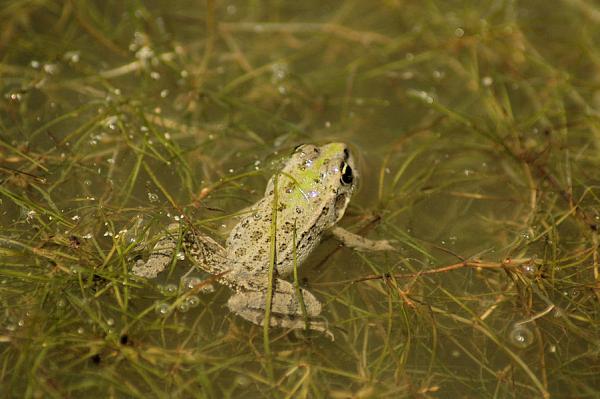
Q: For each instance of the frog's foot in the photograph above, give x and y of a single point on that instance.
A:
(360, 243)
(161, 255)
(286, 308)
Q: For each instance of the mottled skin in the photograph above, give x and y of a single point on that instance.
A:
(313, 191)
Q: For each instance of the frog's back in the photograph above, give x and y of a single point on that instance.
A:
(312, 194)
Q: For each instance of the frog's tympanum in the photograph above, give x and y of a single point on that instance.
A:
(310, 195)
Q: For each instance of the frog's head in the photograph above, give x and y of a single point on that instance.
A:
(321, 178)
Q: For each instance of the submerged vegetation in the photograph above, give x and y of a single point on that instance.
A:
(478, 125)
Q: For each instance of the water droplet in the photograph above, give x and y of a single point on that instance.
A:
(192, 282)
(72, 57)
(193, 301)
(51, 69)
(183, 307)
(520, 336)
(528, 270)
(162, 308)
(170, 289)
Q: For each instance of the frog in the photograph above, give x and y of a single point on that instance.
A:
(302, 202)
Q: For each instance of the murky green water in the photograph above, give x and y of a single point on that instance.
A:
(477, 127)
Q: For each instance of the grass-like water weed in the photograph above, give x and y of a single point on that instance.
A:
(478, 128)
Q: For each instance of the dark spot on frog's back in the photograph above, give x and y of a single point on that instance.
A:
(255, 235)
(240, 252)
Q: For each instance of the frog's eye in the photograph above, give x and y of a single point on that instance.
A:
(346, 173)
(296, 148)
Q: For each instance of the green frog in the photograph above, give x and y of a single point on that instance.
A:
(301, 202)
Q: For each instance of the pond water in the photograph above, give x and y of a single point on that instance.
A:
(476, 125)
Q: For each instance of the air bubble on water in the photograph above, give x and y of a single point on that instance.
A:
(407, 75)
(51, 69)
(423, 95)
(170, 289)
(34, 64)
(279, 71)
(111, 122)
(231, 9)
(180, 255)
(11, 327)
(192, 282)
(143, 128)
(108, 233)
(528, 269)
(167, 135)
(183, 307)
(61, 303)
(75, 217)
(110, 321)
(327, 124)
(155, 75)
(80, 330)
(14, 96)
(459, 32)
(73, 270)
(575, 293)
(162, 308)
(87, 182)
(152, 197)
(192, 301)
(520, 336)
(164, 93)
(487, 81)
(144, 54)
(184, 74)
(87, 236)
(21, 323)
(72, 57)
(438, 74)
(552, 349)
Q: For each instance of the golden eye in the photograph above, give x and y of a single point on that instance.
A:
(347, 176)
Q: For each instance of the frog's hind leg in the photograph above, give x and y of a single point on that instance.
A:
(161, 255)
(286, 308)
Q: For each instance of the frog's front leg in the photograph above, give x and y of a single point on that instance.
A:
(286, 308)
(360, 243)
